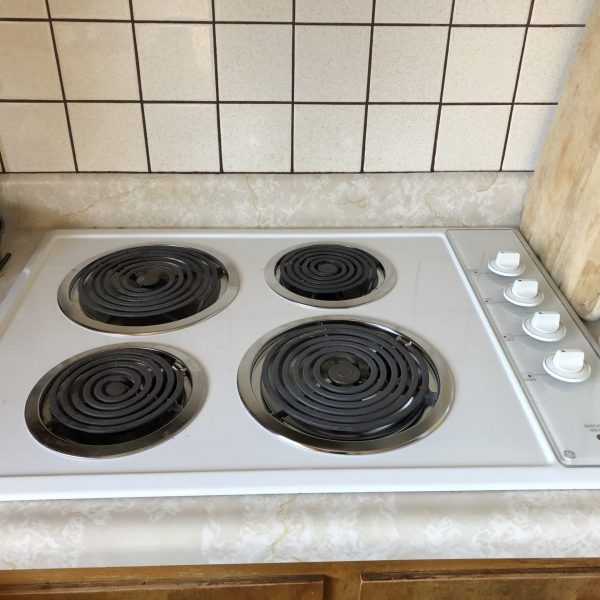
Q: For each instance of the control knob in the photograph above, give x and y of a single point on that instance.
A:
(507, 264)
(524, 292)
(544, 326)
(567, 365)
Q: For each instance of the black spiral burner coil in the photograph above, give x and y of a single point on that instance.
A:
(329, 272)
(110, 400)
(344, 380)
(149, 285)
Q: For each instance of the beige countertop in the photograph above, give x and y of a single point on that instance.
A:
(309, 527)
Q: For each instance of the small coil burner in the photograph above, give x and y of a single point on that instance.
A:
(345, 385)
(147, 289)
(329, 275)
(115, 401)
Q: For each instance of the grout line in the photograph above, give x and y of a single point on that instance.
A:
(258, 172)
(514, 96)
(364, 136)
(292, 109)
(217, 100)
(307, 102)
(139, 78)
(439, 114)
(302, 23)
(458, 25)
(62, 88)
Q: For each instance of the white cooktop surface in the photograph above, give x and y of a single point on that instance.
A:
(491, 438)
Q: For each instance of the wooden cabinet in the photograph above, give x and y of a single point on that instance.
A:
(569, 579)
(481, 585)
(175, 588)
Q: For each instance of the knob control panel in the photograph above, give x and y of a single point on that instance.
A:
(554, 358)
(506, 263)
(567, 365)
(544, 326)
(524, 292)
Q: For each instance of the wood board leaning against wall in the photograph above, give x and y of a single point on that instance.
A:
(561, 217)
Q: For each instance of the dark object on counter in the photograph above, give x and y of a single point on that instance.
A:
(3, 259)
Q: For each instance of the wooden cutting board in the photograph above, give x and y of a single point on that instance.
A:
(561, 217)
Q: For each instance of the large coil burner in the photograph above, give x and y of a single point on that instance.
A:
(329, 275)
(115, 400)
(147, 289)
(345, 385)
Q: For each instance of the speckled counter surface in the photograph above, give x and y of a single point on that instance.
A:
(245, 529)
(311, 527)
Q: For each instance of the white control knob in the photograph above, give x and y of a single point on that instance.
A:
(544, 326)
(524, 292)
(567, 365)
(507, 264)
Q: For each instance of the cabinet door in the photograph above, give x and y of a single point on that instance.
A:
(552, 585)
(276, 588)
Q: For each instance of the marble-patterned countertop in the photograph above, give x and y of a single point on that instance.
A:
(288, 528)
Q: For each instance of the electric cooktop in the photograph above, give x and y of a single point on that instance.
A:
(186, 362)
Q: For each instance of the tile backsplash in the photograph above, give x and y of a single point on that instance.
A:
(286, 86)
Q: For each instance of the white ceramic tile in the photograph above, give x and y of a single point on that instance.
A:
(97, 60)
(413, 11)
(22, 9)
(327, 137)
(549, 53)
(108, 137)
(172, 10)
(256, 137)
(400, 138)
(340, 11)
(27, 64)
(471, 138)
(253, 10)
(176, 61)
(528, 129)
(34, 137)
(483, 63)
(491, 11)
(90, 9)
(562, 12)
(407, 64)
(331, 63)
(255, 62)
(182, 137)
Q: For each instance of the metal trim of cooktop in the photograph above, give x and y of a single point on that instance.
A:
(248, 382)
(52, 442)
(387, 283)
(73, 311)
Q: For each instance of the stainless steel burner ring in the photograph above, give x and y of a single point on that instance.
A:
(69, 304)
(387, 279)
(42, 425)
(250, 390)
